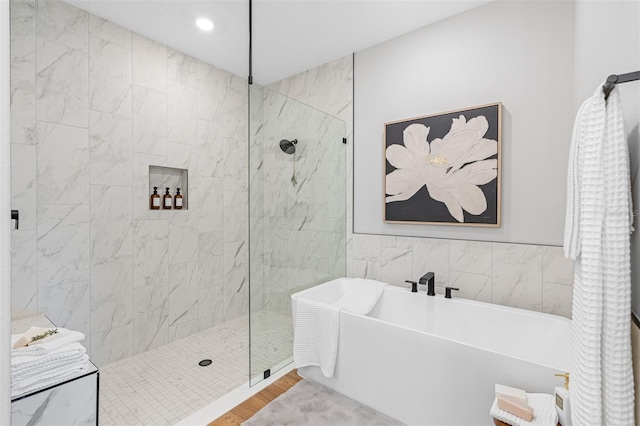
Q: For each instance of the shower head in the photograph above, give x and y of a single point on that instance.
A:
(288, 147)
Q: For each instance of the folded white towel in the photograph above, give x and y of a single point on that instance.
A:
(60, 357)
(544, 411)
(29, 383)
(56, 341)
(361, 295)
(316, 333)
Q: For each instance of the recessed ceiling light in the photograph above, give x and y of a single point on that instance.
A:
(204, 24)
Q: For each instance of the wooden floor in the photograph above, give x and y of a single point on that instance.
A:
(248, 408)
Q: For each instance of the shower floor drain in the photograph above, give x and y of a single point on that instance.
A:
(205, 362)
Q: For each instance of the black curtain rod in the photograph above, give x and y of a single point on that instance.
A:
(614, 79)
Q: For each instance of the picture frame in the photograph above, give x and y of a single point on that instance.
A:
(445, 168)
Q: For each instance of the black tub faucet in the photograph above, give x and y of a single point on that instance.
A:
(430, 279)
(414, 286)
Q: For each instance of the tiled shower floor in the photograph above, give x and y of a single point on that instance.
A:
(166, 384)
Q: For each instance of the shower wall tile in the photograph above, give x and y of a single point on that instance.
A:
(23, 184)
(183, 307)
(327, 87)
(111, 345)
(212, 85)
(149, 63)
(557, 299)
(182, 113)
(67, 305)
(110, 149)
(62, 83)
(59, 22)
(23, 79)
(183, 237)
(24, 280)
(235, 216)
(431, 255)
(150, 316)
(183, 278)
(210, 204)
(182, 68)
(235, 165)
(184, 156)
(517, 276)
(211, 251)
(472, 286)
(109, 31)
(470, 256)
(111, 293)
(555, 267)
(235, 112)
(211, 158)
(111, 221)
(62, 164)
(211, 307)
(236, 295)
(150, 252)
(149, 121)
(182, 329)
(109, 77)
(62, 245)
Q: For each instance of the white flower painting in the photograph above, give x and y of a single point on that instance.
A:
(452, 168)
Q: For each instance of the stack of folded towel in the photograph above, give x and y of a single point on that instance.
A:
(44, 357)
(515, 407)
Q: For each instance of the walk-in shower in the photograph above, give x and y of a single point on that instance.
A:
(157, 291)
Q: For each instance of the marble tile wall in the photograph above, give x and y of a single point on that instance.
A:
(532, 277)
(93, 105)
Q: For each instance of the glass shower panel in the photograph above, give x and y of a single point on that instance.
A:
(297, 216)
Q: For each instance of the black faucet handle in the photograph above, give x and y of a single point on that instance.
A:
(447, 292)
(414, 286)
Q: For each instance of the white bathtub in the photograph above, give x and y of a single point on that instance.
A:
(434, 361)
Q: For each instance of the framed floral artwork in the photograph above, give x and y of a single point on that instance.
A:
(444, 169)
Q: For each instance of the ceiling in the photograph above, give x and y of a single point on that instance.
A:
(289, 36)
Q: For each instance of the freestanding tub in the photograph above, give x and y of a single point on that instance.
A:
(434, 361)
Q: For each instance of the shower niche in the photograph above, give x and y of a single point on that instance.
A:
(173, 178)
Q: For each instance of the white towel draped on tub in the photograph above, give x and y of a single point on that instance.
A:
(316, 335)
(598, 224)
(317, 325)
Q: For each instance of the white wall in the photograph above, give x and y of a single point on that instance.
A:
(608, 42)
(519, 53)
